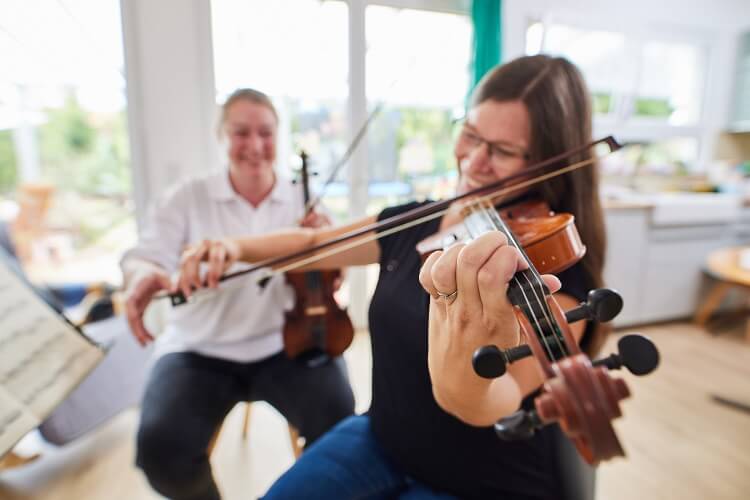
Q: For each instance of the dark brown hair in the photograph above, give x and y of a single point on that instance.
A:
(246, 94)
(559, 107)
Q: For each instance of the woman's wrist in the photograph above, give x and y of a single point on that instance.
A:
(481, 402)
(234, 249)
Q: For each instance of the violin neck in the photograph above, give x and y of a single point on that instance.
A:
(526, 289)
(305, 174)
(483, 218)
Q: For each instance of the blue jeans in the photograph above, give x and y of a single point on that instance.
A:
(347, 463)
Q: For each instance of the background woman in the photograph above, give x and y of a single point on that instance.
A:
(216, 353)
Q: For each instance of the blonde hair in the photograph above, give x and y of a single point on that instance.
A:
(245, 94)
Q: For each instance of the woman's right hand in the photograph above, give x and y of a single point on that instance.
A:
(220, 255)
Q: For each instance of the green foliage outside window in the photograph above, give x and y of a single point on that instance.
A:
(85, 152)
(601, 102)
(659, 107)
(433, 129)
(7, 162)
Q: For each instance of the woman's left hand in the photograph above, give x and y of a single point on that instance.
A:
(469, 308)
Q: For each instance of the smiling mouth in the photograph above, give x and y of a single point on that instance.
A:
(252, 161)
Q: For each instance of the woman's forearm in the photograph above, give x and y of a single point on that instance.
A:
(258, 248)
(289, 241)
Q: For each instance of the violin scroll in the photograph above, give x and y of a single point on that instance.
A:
(635, 352)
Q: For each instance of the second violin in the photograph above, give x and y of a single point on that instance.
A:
(316, 328)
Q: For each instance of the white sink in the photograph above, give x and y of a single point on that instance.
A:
(694, 208)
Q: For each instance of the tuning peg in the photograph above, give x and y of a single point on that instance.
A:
(519, 425)
(602, 304)
(490, 362)
(636, 353)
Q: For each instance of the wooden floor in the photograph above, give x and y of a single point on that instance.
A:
(680, 442)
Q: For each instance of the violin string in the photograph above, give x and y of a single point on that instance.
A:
(541, 305)
(537, 286)
(547, 314)
(539, 328)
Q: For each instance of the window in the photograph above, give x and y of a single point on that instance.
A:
(601, 56)
(423, 86)
(671, 82)
(644, 89)
(301, 61)
(64, 154)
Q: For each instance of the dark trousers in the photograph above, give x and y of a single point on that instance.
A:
(188, 396)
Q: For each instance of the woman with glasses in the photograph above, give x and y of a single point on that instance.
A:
(410, 445)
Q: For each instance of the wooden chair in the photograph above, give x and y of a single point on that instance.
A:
(11, 460)
(294, 436)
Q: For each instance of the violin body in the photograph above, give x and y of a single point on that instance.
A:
(316, 324)
(550, 240)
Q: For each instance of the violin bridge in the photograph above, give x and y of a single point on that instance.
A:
(481, 218)
(315, 311)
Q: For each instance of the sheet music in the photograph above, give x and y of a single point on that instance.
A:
(15, 421)
(42, 359)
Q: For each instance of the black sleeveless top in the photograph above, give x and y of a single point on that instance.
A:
(427, 443)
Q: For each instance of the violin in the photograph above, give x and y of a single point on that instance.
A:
(550, 240)
(579, 394)
(316, 329)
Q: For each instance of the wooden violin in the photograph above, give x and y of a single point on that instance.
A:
(316, 328)
(550, 240)
(578, 394)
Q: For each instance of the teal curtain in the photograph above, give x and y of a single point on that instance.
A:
(487, 43)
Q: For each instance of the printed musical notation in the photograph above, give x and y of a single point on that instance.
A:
(42, 359)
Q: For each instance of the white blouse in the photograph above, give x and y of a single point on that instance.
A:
(240, 321)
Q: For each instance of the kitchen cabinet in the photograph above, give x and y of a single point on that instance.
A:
(627, 232)
(672, 278)
(655, 259)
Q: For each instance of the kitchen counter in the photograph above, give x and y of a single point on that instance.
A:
(657, 246)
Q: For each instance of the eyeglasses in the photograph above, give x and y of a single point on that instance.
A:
(498, 152)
